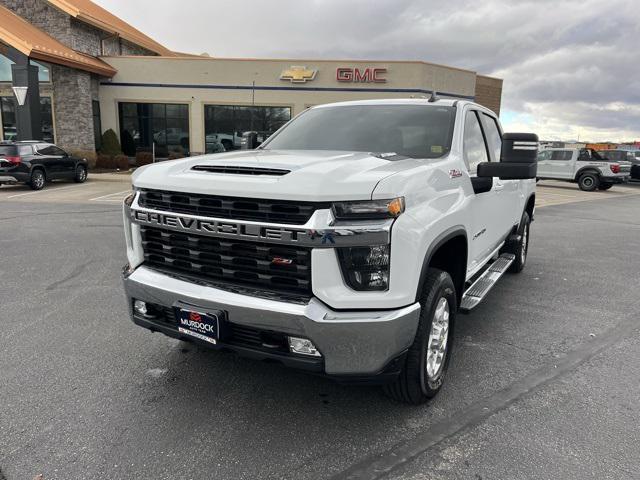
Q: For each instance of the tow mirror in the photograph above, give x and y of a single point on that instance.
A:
(249, 141)
(518, 161)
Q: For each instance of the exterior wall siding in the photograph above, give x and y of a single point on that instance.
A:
(128, 48)
(42, 15)
(86, 39)
(72, 94)
(489, 92)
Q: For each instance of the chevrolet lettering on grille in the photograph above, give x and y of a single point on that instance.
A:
(337, 236)
(219, 228)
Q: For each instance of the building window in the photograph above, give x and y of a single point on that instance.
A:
(97, 125)
(9, 127)
(225, 124)
(44, 70)
(145, 125)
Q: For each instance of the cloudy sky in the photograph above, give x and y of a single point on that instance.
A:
(571, 69)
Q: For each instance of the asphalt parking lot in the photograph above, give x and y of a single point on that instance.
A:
(544, 382)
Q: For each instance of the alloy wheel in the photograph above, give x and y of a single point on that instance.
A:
(438, 337)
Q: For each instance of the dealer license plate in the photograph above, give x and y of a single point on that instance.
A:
(205, 326)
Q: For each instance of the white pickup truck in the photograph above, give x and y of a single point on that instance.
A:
(344, 245)
(583, 166)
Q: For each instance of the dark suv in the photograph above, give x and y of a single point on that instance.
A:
(36, 163)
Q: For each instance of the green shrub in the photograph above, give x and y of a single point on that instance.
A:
(110, 143)
(121, 162)
(144, 158)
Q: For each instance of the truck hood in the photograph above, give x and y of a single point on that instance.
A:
(313, 175)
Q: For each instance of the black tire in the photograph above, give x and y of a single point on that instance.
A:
(605, 186)
(38, 179)
(521, 248)
(414, 385)
(81, 174)
(588, 182)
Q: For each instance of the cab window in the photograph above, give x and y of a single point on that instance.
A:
(494, 138)
(561, 155)
(474, 147)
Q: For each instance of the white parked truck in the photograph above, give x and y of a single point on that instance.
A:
(583, 166)
(344, 245)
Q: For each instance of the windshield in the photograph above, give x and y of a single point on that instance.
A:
(417, 131)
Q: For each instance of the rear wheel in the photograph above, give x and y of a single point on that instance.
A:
(37, 180)
(81, 174)
(428, 358)
(605, 186)
(520, 248)
(588, 182)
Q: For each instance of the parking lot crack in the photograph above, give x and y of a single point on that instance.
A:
(74, 273)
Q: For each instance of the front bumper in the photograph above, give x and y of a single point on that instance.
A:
(352, 343)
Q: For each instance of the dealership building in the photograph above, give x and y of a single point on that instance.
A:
(70, 70)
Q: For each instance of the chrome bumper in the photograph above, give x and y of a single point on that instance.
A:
(351, 342)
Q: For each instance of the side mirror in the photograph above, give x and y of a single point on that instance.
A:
(249, 141)
(519, 148)
(519, 159)
(508, 171)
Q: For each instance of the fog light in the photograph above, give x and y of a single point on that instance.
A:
(303, 346)
(140, 307)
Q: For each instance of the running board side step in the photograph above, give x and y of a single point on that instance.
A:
(483, 285)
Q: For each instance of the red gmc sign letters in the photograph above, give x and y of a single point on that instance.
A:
(361, 75)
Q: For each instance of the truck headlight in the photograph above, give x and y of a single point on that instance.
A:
(365, 268)
(368, 209)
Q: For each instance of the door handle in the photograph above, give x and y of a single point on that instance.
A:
(499, 186)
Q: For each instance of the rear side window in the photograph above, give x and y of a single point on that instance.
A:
(474, 147)
(544, 155)
(24, 150)
(8, 150)
(561, 155)
(494, 139)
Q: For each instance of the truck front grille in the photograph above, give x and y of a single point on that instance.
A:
(229, 262)
(231, 208)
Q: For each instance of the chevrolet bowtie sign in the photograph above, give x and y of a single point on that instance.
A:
(299, 74)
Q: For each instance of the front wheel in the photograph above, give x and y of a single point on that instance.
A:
(81, 174)
(588, 182)
(428, 358)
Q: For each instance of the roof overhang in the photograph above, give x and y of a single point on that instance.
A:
(34, 43)
(88, 12)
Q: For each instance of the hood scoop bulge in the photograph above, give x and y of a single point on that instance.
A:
(236, 170)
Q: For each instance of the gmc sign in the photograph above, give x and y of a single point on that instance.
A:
(361, 75)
